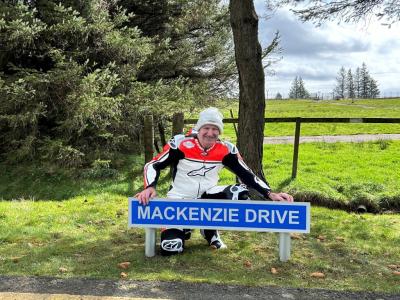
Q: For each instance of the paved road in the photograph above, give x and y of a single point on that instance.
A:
(35, 288)
(332, 138)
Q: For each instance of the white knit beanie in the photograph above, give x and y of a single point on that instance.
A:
(210, 116)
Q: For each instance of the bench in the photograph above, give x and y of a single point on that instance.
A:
(261, 216)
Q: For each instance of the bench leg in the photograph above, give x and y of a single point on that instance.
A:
(284, 246)
(150, 242)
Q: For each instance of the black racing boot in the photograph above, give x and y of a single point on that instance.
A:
(213, 238)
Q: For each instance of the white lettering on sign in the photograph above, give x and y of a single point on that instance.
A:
(181, 213)
(233, 215)
(169, 213)
(272, 216)
(169, 217)
(218, 214)
(143, 212)
(193, 214)
(292, 216)
(251, 215)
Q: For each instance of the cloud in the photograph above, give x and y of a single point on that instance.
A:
(317, 53)
(304, 39)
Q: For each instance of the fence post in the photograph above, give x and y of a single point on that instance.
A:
(150, 233)
(296, 148)
(234, 125)
(177, 123)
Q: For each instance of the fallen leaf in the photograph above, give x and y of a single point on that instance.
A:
(16, 259)
(274, 271)
(123, 275)
(393, 267)
(317, 275)
(396, 272)
(124, 265)
(296, 236)
(340, 239)
(62, 270)
(247, 264)
(321, 237)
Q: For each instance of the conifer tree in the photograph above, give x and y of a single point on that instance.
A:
(340, 88)
(364, 81)
(294, 92)
(76, 77)
(373, 89)
(350, 85)
(298, 90)
(357, 83)
(303, 93)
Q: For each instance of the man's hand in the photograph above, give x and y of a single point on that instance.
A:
(145, 195)
(280, 197)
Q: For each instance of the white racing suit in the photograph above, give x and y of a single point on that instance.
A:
(195, 174)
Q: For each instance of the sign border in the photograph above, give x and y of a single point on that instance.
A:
(240, 202)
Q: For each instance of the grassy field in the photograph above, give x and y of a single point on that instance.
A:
(339, 175)
(87, 236)
(63, 223)
(381, 108)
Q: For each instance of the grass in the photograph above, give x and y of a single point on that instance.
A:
(74, 224)
(338, 175)
(86, 236)
(373, 108)
(37, 182)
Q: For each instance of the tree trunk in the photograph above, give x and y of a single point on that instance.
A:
(248, 54)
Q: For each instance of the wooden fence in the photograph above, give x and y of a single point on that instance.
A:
(178, 123)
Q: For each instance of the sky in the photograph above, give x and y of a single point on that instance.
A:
(317, 53)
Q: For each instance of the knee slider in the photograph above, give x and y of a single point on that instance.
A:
(172, 241)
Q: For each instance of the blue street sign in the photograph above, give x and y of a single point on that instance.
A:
(221, 214)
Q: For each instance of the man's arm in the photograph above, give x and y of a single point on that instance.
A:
(235, 163)
(167, 157)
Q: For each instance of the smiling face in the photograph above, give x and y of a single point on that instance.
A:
(208, 135)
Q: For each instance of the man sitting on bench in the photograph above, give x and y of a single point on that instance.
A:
(196, 161)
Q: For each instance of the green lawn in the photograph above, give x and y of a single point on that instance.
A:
(339, 175)
(378, 108)
(63, 223)
(87, 236)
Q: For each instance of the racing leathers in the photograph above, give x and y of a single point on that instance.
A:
(196, 170)
(195, 174)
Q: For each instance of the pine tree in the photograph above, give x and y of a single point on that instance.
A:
(294, 90)
(278, 96)
(340, 88)
(303, 93)
(373, 90)
(364, 81)
(298, 90)
(357, 83)
(350, 85)
(76, 77)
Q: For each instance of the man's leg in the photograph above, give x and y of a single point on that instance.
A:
(213, 238)
(173, 240)
(227, 192)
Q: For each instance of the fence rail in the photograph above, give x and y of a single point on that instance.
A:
(313, 120)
